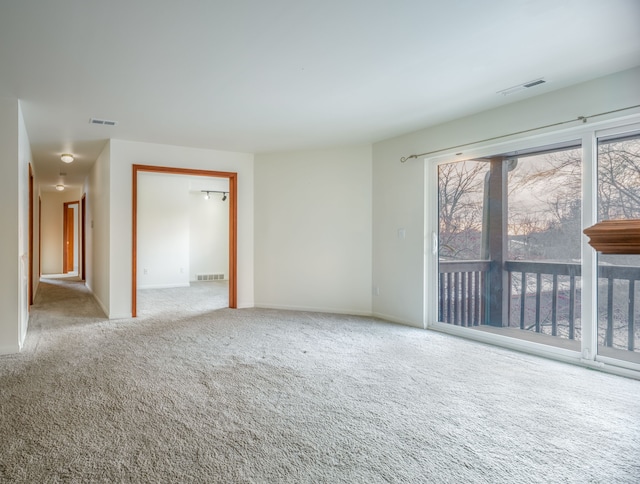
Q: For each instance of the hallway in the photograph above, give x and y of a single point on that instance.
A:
(62, 303)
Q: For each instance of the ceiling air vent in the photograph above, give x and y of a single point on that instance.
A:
(103, 122)
(534, 83)
(521, 87)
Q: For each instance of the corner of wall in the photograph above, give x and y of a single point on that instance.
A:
(10, 256)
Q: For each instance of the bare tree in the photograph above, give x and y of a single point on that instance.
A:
(460, 188)
(545, 197)
(619, 179)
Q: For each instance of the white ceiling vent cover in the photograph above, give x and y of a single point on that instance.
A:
(102, 122)
(521, 87)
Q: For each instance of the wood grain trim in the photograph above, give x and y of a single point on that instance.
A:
(233, 241)
(83, 233)
(233, 224)
(30, 264)
(134, 242)
(65, 221)
(615, 236)
(39, 237)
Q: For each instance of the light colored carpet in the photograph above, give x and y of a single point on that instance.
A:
(176, 302)
(262, 396)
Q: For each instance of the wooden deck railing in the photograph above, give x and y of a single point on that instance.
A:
(462, 286)
(631, 275)
(462, 294)
(537, 269)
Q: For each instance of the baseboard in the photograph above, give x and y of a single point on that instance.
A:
(97, 299)
(313, 309)
(9, 349)
(120, 316)
(393, 319)
(163, 286)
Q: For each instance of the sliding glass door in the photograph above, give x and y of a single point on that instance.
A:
(511, 256)
(618, 189)
(509, 244)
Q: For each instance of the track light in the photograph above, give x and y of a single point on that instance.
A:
(66, 158)
(207, 192)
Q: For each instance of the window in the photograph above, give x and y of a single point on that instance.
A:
(618, 191)
(511, 264)
(509, 244)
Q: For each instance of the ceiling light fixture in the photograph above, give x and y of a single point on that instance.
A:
(66, 158)
(207, 192)
(59, 187)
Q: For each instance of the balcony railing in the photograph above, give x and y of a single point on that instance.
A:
(519, 272)
(462, 290)
(542, 294)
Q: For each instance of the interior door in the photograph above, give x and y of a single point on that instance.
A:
(68, 230)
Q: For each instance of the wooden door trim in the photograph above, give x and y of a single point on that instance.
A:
(30, 262)
(65, 222)
(83, 244)
(39, 237)
(233, 224)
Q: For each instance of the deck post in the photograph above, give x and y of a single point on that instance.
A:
(497, 289)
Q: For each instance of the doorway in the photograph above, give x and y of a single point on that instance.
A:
(70, 234)
(231, 179)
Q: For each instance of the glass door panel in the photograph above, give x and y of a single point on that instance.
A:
(619, 275)
(509, 244)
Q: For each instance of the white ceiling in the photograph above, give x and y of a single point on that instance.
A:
(260, 76)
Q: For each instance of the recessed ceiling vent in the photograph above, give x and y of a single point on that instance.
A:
(521, 87)
(534, 83)
(103, 122)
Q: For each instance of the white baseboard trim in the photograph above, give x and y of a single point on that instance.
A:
(313, 309)
(120, 316)
(163, 286)
(244, 305)
(393, 319)
(9, 349)
(97, 299)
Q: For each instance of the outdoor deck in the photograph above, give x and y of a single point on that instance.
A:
(542, 303)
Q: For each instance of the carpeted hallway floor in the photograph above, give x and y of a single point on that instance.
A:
(190, 393)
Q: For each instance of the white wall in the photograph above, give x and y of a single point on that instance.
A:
(180, 234)
(53, 227)
(123, 155)
(24, 160)
(399, 189)
(163, 231)
(97, 229)
(313, 230)
(208, 235)
(10, 257)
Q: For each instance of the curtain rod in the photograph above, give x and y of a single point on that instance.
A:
(579, 118)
